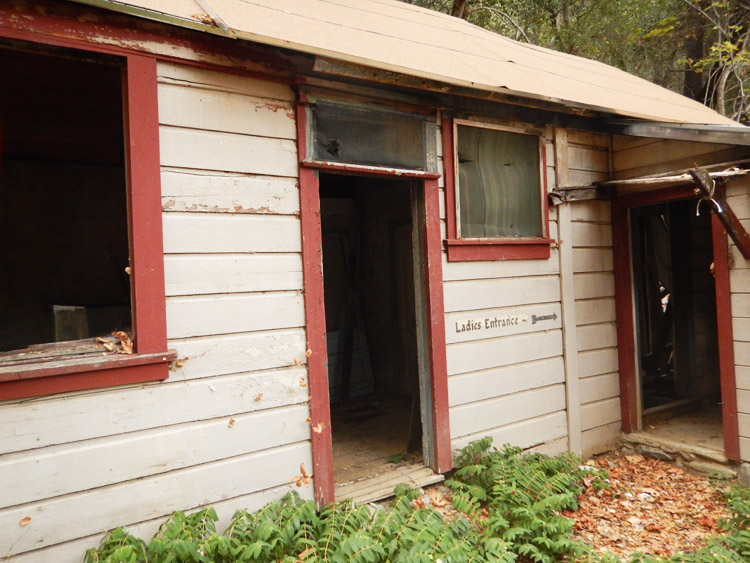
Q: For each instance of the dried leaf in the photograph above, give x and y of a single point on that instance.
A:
(25, 521)
(259, 396)
(126, 344)
(231, 423)
(303, 478)
(302, 382)
(308, 353)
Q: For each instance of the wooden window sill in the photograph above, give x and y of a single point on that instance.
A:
(467, 250)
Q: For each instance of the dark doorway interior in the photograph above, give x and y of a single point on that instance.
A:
(369, 261)
(675, 304)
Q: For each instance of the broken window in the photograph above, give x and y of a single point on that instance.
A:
(498, 183)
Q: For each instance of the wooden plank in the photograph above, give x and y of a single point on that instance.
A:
(739, 279)
(381, 486)
(227, 152)
(592, 212)
(743, 401)
(600, 387)
(192, 76)
(212, 110)
(592, 260)
(51, 523)
(742, 353)
(743, 421)
(458, 271)
(594, 337)
(740, 303)
(741, 329)
(592, 311)
(238, 353)
(592, 235)
(122, 458)
(466, 357)
(600, 413)
(483, 294)
(665, 151)
(597, 362)
(742, 374)
(586, 177)
(745, 449)
(601, 439)
(211, 233)
(497, 382)
(480, 417)
(217, 192)
(588, 159)
(623, 142)
(202, 274)
(224, 314)
(588, 139)
(524, 434)
(493, 323)
(551, 448)
(64, 419)
(659, 166)
(594, 285)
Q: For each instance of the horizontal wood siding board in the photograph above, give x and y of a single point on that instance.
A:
(593, 311)
(202, 274)
(484, 294)
(497, 382)
(739, 279)
(217, 192)
(601, 439)
(213, 110)
(661, 166)
(478, 417)
(143, 499)
(640, 155)
(743, 401)
(586, 177)
(592, 235)
(594, 337)
(192, 76)
(524, 434)
(492, 323)
(588, 139)
(742, 353)
(743, 377)
(56, 420)
(594, 285)
(745, 449)
(589, 159)
(600, 413)
(140, 454)
(600, 387)
(465, 357)
(203, 233)
(227, 152)
(741, 329)
(597, 362)
(743, 421)
(592, 260)
(226, 314)
(464, 271)
(591, 212)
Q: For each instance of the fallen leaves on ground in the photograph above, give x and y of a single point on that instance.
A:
(652, 507)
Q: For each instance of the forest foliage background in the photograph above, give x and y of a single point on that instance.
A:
(700, 48)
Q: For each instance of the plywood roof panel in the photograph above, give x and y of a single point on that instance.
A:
(395, 36)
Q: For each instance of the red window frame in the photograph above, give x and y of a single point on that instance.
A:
(150, 360)
(469, 249)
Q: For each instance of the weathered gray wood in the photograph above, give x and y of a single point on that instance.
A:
(601, 439)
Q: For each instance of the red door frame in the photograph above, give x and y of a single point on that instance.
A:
(312, 271)
(625, 311)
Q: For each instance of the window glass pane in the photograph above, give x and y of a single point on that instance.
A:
(498, 183)
(376, 138)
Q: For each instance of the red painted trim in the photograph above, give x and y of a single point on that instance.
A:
(315, 320)
(83, 381)
(466, 250)
(730, 425)
(364, 170)
(437, 344)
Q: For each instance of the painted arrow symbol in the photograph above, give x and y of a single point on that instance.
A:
(535, 318)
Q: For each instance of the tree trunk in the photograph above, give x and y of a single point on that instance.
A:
(694, 84)
(459, 8)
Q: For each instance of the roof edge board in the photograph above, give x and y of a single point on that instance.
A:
(718, 134)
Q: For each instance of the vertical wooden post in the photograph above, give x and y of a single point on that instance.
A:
(567, 292)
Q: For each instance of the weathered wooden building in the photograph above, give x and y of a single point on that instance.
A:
(328, 231)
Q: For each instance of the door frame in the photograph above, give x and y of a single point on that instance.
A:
(440, 459)
(625, 311)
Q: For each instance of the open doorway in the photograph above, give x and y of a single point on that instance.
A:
(371, 265)
(678, 375)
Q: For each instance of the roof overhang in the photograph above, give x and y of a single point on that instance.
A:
(720, 134)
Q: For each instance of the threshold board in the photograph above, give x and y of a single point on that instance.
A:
(379, 487)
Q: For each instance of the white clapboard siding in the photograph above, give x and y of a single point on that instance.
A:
(214, 110)
(104, 508)
(228, 152)
(477, 417)
(592, 260)
(743, 401)
(741, 329)
(483, 294)
(600, 439)
(594, 285)
(207, 356)
(497, 382)
(739, 281)
(740, 303)
(599, 387)
(466, 357)
(553, 448)
(194, 77)
(742, 353)
(743, 421)
(225, 314)
(592, 311)
(524, 434)
(586, 158)
(592, 211)
(457, 271)
(201, 274)
(586, 177)
(745, 448)
(600, 413)
(186, 233)
(742, 374)
(141, 454)
(493, 323)
(50, 421)
(591, 234)
(596, 362)
(595, 337)
(223, 192)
